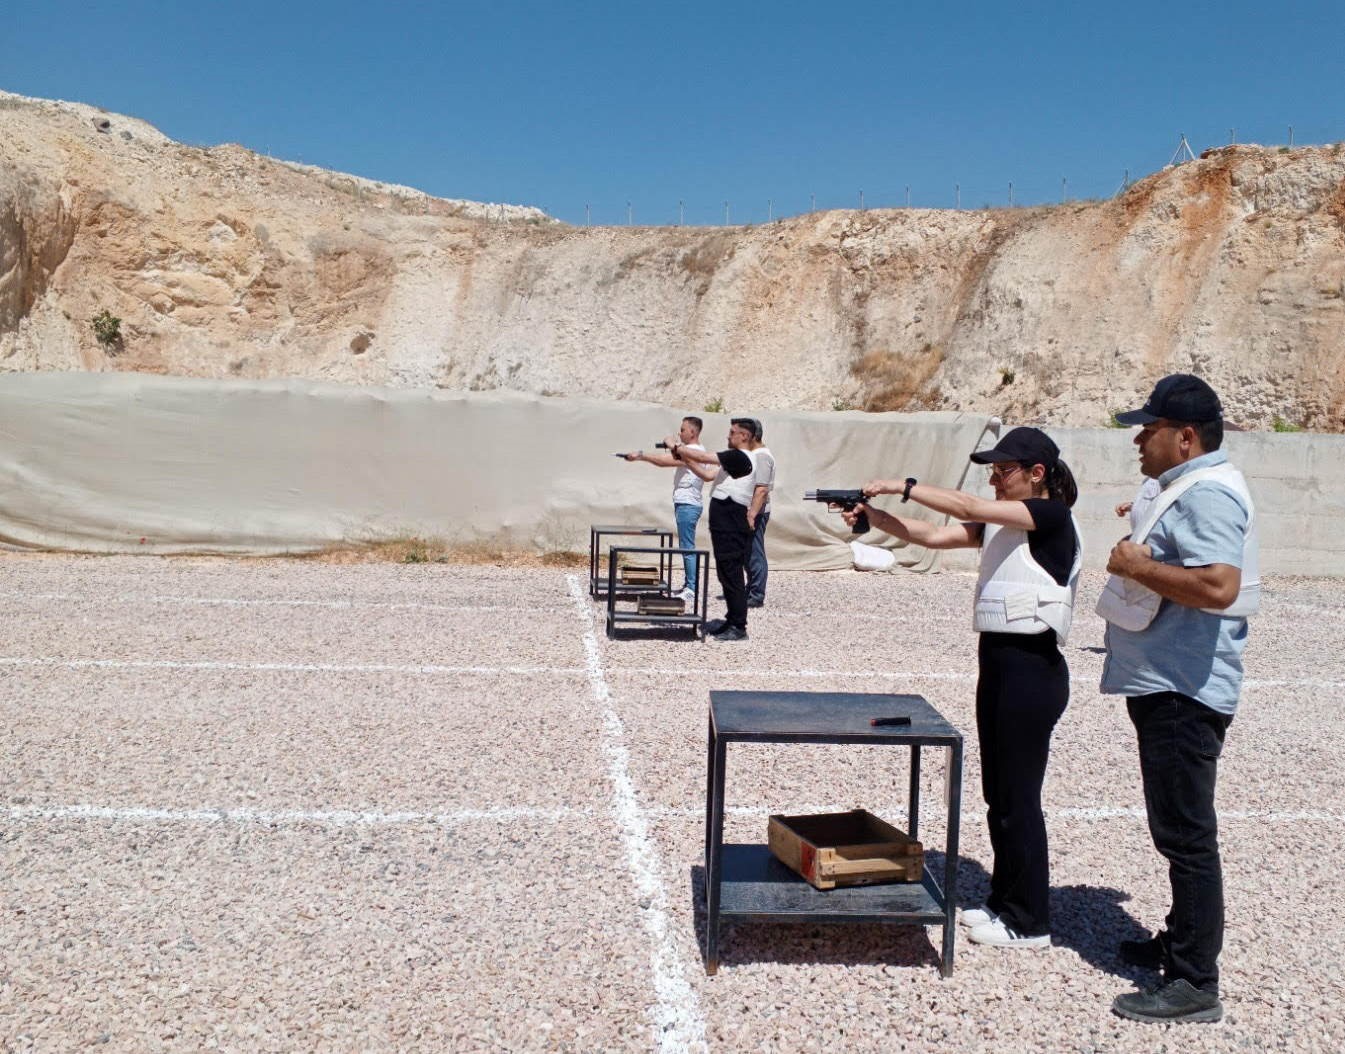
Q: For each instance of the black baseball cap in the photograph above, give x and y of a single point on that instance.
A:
(1030, 446)
(1177, 397)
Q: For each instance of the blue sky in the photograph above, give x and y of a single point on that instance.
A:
(568, 104)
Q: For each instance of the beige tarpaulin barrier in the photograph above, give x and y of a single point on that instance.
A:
(130, 462)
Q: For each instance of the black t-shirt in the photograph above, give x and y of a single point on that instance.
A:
(1052, 542)
(735, 462)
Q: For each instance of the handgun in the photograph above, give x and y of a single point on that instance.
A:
(843, 499)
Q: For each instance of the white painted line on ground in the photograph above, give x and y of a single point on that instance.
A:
(916, 675)
(563, 671)
(1134, 812)
(406, 605)
(293, 667)
(678, 1023)
(452, 817)
(707, 671)
(1271, 605)
(1137, 813)
(893, 619)
(287, 817)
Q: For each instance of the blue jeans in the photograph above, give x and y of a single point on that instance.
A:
(756, 560)
(687, 517)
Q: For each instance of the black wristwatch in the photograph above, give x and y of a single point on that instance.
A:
(911, 481)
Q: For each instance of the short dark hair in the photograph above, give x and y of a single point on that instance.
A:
(695, 423)
(745, 423)
(1211, 433)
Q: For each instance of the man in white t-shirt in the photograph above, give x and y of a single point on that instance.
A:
(689, 478)
(761, 511)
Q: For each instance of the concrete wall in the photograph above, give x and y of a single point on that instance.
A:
(1297, 480)
(127, 462)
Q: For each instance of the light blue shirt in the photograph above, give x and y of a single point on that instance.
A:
(1185, 649)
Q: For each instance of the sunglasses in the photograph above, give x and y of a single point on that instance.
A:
(1003, 469)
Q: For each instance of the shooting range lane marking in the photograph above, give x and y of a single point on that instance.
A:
(286, 817)
(294, 667)
(560, 671)
(931, 675)
(1101, 812)
(454, 817)
(678, 1024)
(345, 605)
(1313, 609)
(705, 671)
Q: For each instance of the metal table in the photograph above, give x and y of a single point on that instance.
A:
(746, 881)
(693, 618)
(598, 585)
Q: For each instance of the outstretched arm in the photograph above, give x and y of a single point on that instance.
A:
(660, 459)
(958, 503)
(918, 532)
(701, 457)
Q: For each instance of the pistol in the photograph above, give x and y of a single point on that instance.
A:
(844, 499)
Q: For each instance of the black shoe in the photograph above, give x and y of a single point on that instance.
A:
(729, 633)
(753, 602)
(715, 625)
(1148, 954)
(1176, 1002)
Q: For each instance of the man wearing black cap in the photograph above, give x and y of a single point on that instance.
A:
(1176, 605)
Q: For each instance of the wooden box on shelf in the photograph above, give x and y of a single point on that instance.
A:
(852, 848)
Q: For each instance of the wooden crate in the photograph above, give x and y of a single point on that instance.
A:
(650, 604)
(639, 575)
(852, 848)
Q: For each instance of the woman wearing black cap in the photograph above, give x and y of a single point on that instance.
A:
(1029, 573)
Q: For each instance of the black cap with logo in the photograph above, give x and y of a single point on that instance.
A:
(1030, 446)
(1177, 397)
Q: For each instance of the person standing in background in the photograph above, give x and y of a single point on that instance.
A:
(689, 479)
(760, 509)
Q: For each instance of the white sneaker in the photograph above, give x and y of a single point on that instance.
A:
(687, 596)
(977, 916)
(999, 935)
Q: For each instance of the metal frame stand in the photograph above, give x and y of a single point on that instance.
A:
(746, 881)
(694, 619)
(598, 587)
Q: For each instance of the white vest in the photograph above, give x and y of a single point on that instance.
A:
(1015, 594)
(740, 489)
(1131, 606)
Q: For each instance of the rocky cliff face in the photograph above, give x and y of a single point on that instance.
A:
(221, 262)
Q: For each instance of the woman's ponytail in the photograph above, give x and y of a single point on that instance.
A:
(1060, 485)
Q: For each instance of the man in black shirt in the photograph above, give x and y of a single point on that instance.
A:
(731, 524)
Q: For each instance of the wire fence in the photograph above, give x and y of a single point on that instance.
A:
(977, 194)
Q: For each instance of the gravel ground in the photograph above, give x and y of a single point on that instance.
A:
(291, 805)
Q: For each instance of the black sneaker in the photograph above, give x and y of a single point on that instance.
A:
(755, 602)
(715, 625)
(1147, 954)
(729, 633)
(1176, 1002)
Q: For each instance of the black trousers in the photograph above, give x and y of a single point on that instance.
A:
(1180, 741)
(1021, 692)
(731, 540)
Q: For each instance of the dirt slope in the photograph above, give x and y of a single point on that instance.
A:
(221, 262)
